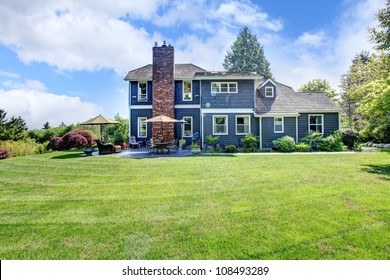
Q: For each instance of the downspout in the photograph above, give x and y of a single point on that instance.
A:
(261, 133)
(201, 112)
(296, 129)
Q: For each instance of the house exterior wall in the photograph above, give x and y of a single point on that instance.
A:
(243, 99)
(331, 123)
(133, 94)
(134, 115)
(196, 123)
(231, 138)
(179, 93)
(268, 134)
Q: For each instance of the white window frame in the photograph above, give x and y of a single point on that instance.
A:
(226, 124)
(192, 126)
(277, 131)
(141, 121)
(218, 85)
(272, 90)
(249, 124)
(190, 93)
(322, 122)
(139, 98)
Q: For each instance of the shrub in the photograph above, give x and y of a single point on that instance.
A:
(212, 141)
(250, 142)
(89, 137)
(73, 140)
(21, 147)
(230, 149)
(41, 148)
(55, 144)
(4, 153)
(302, 147)
(350, 137)
(284, 144)
(313, 140)
(332, 143)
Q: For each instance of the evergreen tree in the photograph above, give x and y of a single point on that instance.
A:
(14, 129)
(318, 85)
(247, 54)
(46, 125)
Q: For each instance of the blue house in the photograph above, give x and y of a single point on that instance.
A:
(225, 104)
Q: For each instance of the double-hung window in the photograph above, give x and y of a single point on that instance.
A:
(243, 124)
(220, 125)
(316, 123)
(142, 91)
(278, 125)
(224, 87)
(269, 91)
(187, 90)
(187, 127)
(142, 127)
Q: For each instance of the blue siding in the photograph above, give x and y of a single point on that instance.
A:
(331, 123)
(268, 130)
(243, 99)
(179, 93)
(195, 114)
(268, 84)
(134, 122)
(231, 138)
(133, 94)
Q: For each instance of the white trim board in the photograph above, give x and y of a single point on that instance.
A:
(135, 107)
(228, 111)
(189, 106)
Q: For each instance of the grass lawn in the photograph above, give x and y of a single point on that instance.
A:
(62, 206)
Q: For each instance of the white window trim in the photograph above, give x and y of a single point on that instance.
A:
(192, 126)
(282, 131)
(273, 91)
(139, 119)
(219, 92)
(139, 92)
(227, 124)
(322, 122)
(242, 116)
(183, 90)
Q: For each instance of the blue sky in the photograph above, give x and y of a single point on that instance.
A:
(65, 60)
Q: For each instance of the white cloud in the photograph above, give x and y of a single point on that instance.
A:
(9, 74)
(35, 105)
(312, 39)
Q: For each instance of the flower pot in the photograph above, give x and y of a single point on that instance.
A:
(195, 151)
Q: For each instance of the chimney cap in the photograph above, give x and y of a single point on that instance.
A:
(164, 44)
(155, 44)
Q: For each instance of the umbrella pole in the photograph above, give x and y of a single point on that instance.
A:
(101, 134)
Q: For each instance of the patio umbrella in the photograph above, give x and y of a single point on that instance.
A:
(100, 120)
(162, 119)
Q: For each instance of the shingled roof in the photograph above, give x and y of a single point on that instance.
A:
(287, 101)
(182, 71)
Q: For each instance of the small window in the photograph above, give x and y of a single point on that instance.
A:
(187, 127)
(187, 90)
(278, 125)
(224, 87)
(142, 127)
(316, 123)
(142, 91)
(243, 125)
(220, 125)
(269, 91)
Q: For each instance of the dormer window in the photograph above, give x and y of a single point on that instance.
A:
(269, 92)
(142, 91)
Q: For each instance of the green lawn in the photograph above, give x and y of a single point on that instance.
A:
(62, 206)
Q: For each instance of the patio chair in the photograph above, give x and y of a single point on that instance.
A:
(174, 143)
(104, 148)
(133, 143)
(150, 145)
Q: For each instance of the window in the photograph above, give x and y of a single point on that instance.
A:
(142, 127)
(187, 127)
(243, 125)
(269, 91)
(316, 123)
(142, 91)
(278, 125)
(187, 90)
(222, 87)
(220, 125)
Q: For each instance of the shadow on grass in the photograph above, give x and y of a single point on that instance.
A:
(380, 169)
(69, 155)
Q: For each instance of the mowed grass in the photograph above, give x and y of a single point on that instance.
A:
(63, 206)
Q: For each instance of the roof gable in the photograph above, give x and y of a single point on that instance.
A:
(182, 71)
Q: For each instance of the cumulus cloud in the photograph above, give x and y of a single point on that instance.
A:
(35, 105)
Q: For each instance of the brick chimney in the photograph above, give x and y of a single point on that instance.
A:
(163, 90)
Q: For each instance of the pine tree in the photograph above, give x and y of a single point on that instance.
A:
(380, 35)
(318, 85)
(247, 54)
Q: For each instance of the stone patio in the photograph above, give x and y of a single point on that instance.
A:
(144, 153)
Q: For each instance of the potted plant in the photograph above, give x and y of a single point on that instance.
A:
(182, 144)
(195, 148)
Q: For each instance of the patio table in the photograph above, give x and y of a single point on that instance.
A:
(162, 146)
